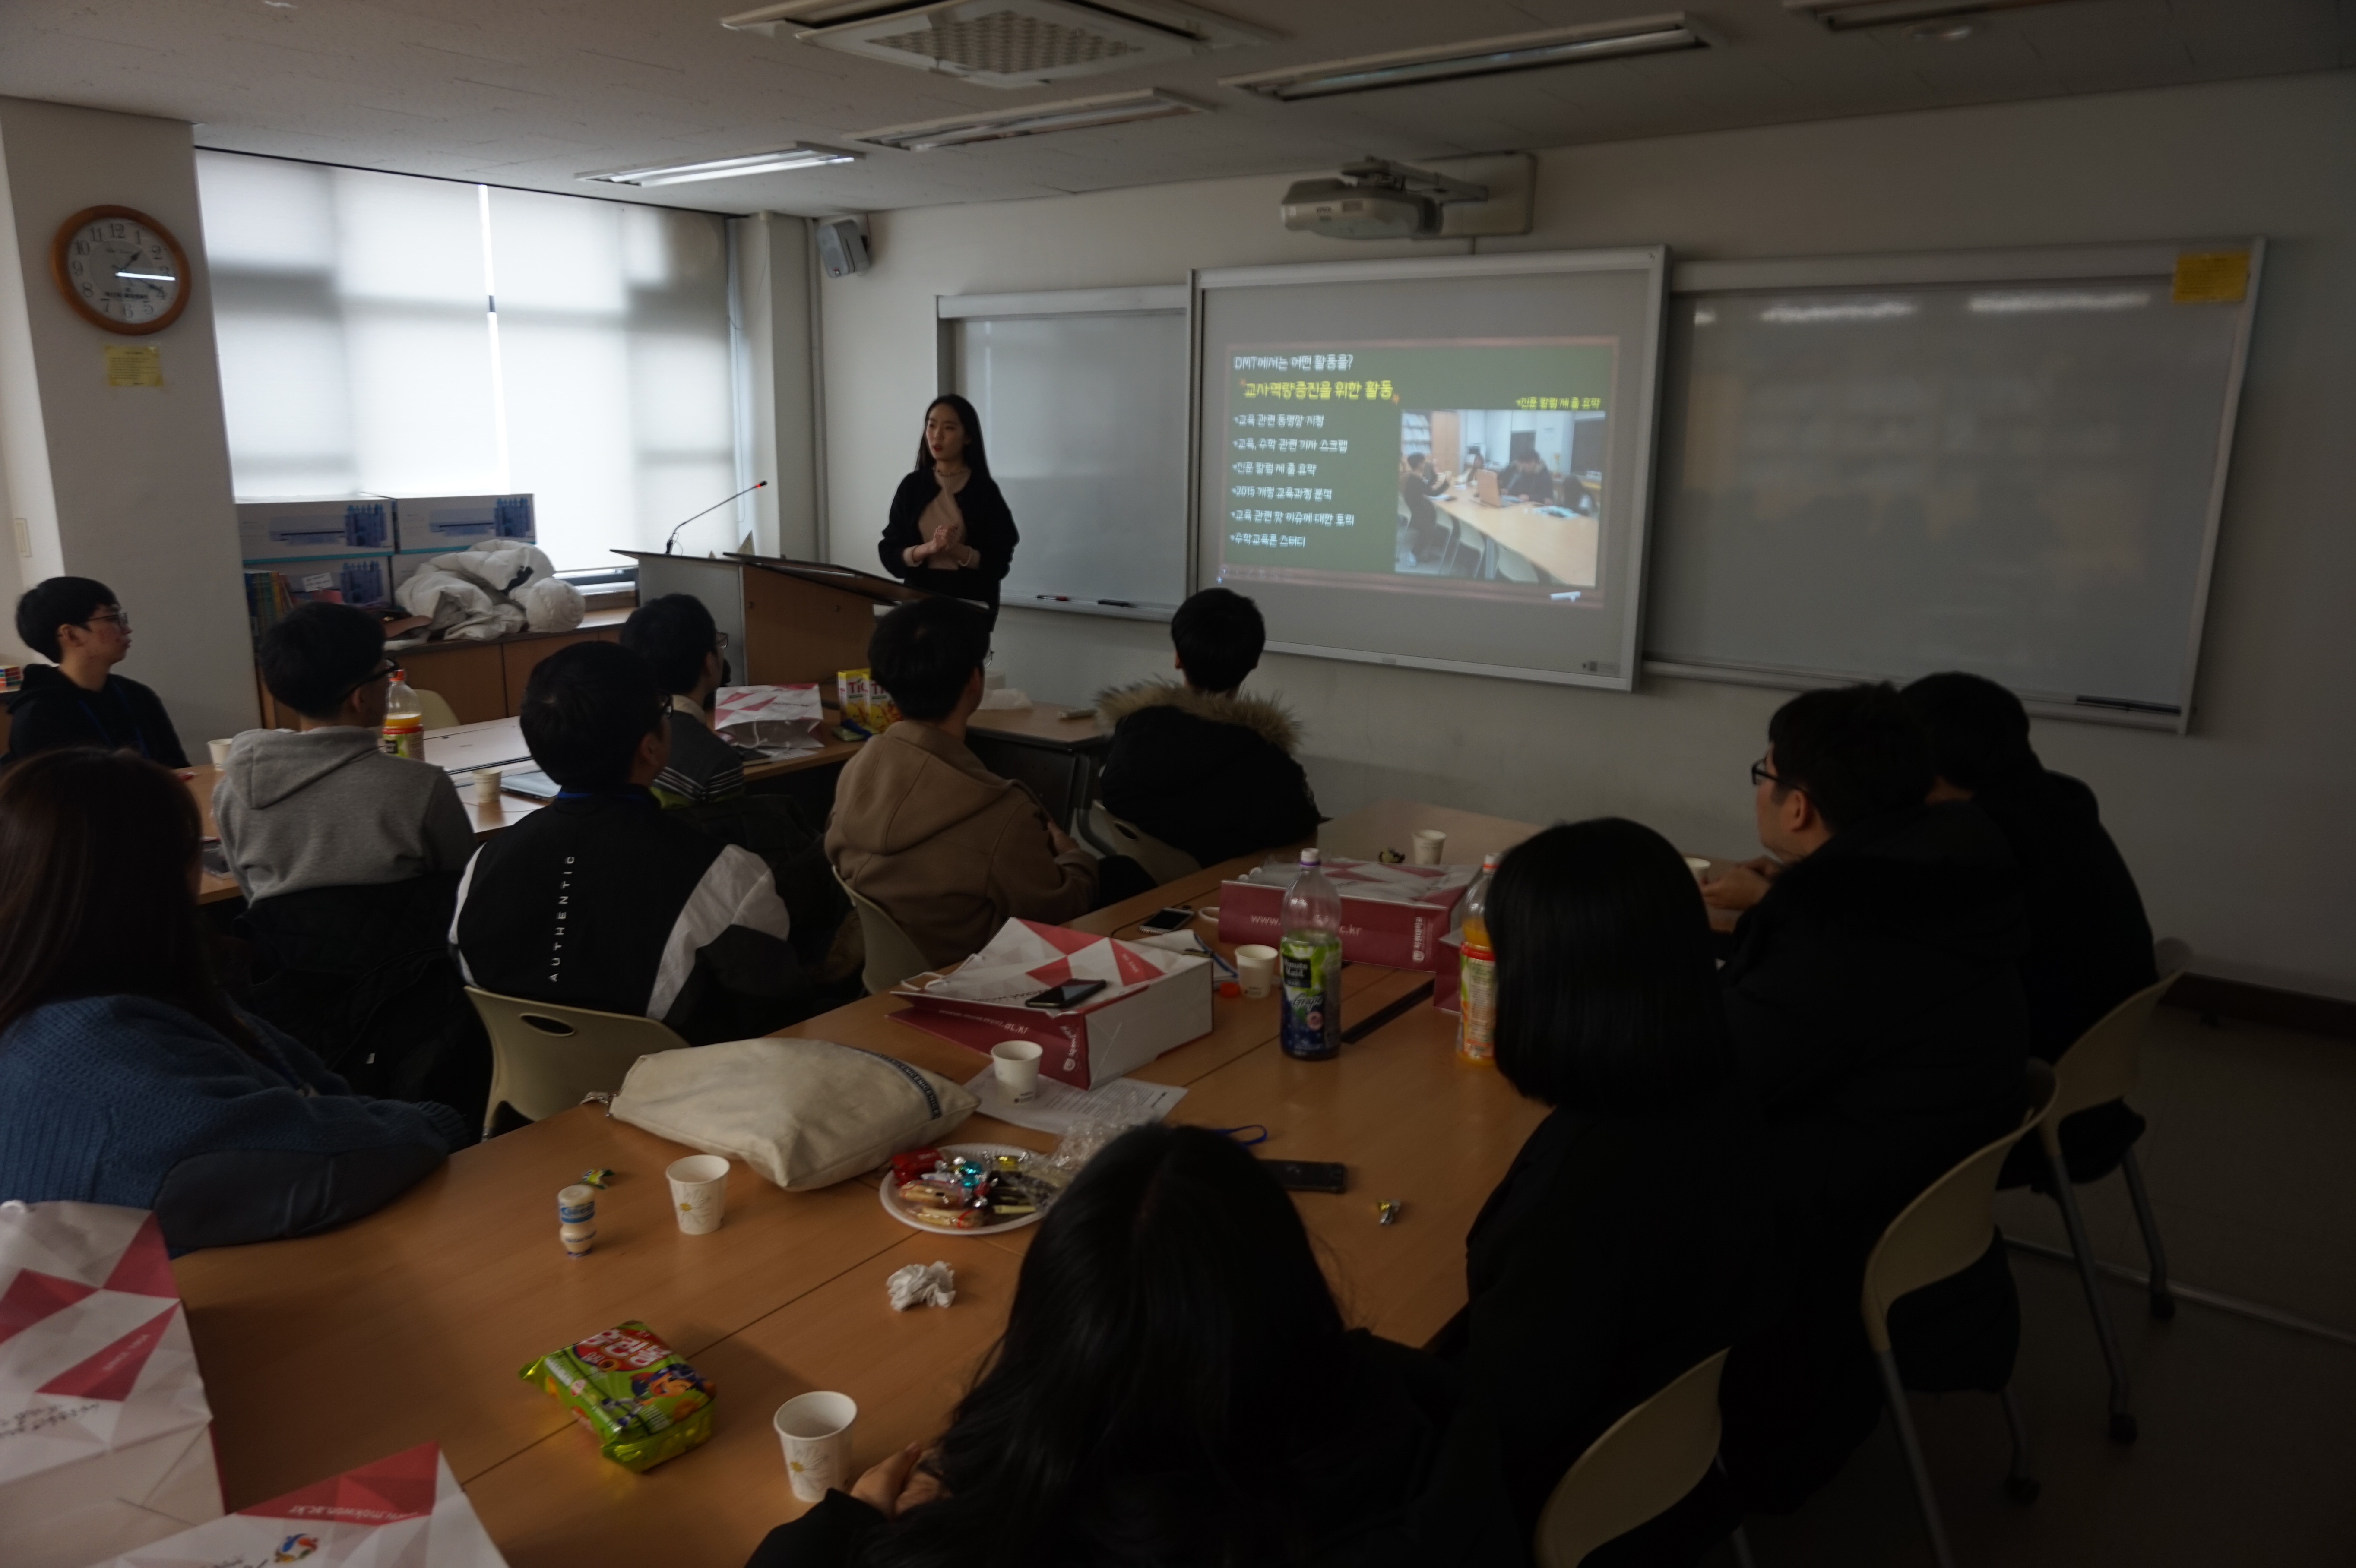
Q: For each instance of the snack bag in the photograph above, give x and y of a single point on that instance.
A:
(851, 691)
(641, 1402)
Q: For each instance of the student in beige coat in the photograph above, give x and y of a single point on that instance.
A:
(947, 848)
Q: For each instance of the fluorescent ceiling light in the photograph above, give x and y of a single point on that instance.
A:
(1474, 58)
(793, 157)
(1861, 310)
(1037, 120)
(2045, 303)
(1845, 16)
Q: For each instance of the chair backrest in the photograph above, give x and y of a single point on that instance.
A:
(439, 714)
(1637, 1470)
(891, 956)
(1163, 862)
(545, 1057)
(2101, 1064)
(1945, 1230)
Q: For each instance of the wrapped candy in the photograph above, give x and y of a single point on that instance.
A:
(634, 1394)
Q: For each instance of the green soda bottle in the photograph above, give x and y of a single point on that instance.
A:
(1311, 959)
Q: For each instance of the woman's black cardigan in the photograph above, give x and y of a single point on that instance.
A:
(989, 529)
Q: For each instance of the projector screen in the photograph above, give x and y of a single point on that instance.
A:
(1434, 463)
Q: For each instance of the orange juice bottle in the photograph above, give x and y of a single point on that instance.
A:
(405, 722)
(1476, 974)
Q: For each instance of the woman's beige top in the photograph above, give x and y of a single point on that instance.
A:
(942, 510)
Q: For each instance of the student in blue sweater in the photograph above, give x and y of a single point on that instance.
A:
(127, 1075)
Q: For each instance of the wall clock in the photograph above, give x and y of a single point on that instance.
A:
(121, 269)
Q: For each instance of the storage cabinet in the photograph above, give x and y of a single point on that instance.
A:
(481, 681)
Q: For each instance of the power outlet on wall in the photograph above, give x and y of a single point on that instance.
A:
(24, 536)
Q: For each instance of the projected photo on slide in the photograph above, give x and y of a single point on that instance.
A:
(1472, 469)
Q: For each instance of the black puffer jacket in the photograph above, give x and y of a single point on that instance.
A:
(53, 711)
(1213, 776)
(1876, 1004)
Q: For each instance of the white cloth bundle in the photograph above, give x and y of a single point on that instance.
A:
(494, 589)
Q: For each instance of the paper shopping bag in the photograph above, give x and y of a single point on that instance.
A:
(105, 1438)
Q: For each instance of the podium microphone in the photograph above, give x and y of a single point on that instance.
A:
(715, 506)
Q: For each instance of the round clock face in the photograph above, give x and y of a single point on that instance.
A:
(121, 269)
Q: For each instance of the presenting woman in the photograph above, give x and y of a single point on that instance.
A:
(950, 531)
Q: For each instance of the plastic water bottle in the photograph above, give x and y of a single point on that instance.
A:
(1311, 958)
(1476, 971)
(405, 722)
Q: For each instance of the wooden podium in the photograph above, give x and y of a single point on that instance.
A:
(787, 621)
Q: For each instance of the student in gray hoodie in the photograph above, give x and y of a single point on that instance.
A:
(323, 806)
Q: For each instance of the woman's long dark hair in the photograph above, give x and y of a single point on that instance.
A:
(976, 458)
(1607, 990)
(95, 853)
(1172, 1346)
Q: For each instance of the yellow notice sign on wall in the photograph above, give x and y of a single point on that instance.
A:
(133, 365)
(2212, 277)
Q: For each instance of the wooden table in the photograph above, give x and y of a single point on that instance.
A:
(324, 1353)
(495, 743)
(1041, 746)
(1562, 547)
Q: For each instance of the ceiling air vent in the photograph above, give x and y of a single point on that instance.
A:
(1004, 43)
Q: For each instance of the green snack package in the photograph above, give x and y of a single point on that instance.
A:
(632, 1392)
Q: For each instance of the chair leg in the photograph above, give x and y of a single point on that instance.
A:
(1891, 1386)
(2018, 1485)
(2163, 1300)
(2123, 1421)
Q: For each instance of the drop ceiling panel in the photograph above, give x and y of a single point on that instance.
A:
(530, 94)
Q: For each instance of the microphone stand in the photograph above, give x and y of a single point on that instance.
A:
(761, 485)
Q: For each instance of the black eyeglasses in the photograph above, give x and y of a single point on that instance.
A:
(383, 671)
(1760, 775)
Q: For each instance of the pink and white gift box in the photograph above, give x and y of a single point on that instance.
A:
(1153, 1000)
(777, 719)
(406, 1511)
(105, 1437)
(1393, 916)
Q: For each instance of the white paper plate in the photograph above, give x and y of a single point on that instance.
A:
(978, 1151)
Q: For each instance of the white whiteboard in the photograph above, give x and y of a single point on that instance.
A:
(2008, 462)
(1082, 396)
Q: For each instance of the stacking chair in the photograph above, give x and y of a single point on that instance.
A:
(439, 714)
(1642, 1465)
(1942, 1233)
(545, 1057)
(1163, 862)
(891, 956)
(2099, 1067)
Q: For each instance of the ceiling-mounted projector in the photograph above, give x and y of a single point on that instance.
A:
(1375, 199)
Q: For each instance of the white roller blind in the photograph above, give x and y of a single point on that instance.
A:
(387, 333)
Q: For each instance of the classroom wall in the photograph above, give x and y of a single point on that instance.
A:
(2239, 833)
(129, 485)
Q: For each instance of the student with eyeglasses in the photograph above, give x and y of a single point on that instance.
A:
(80, 700)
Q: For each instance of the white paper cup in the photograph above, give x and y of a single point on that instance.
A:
(487, 786)
(219, 749)
(1698, 866)
(1429, 842)
(699, 1191)
(576, 1205)
(1256, 966)
(1016, 1062)
(815, 1430)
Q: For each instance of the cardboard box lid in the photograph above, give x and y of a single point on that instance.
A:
(1026, 957)
(1435, 885)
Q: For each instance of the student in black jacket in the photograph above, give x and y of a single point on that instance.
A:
(1198, 765)
(602, 898)
(1530, 479)
(2089, 943)
(79, 701)
(1175, 1387)
(1418, 483)
(1879, 1023)
(949, 530)
(1631, 1240)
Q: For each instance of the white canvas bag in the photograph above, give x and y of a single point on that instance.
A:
(803, 1113)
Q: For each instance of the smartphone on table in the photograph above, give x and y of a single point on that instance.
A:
(1070, 994)
(1308, 1176)
(1175, 918)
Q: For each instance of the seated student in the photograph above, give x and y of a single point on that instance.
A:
(127, 1075)
(1629, 1239)
(944, 847)
(1418, 483)
(676, 636)
(79, 701)
(1879, 1023)
(1530, 480)
(324, 805)
(1198, 765)
(2089, 943)
(1174, 1386)
(600, 898)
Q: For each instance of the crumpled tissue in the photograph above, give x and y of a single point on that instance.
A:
(921, 1284)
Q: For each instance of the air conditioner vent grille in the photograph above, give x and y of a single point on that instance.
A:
(1008, 42)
